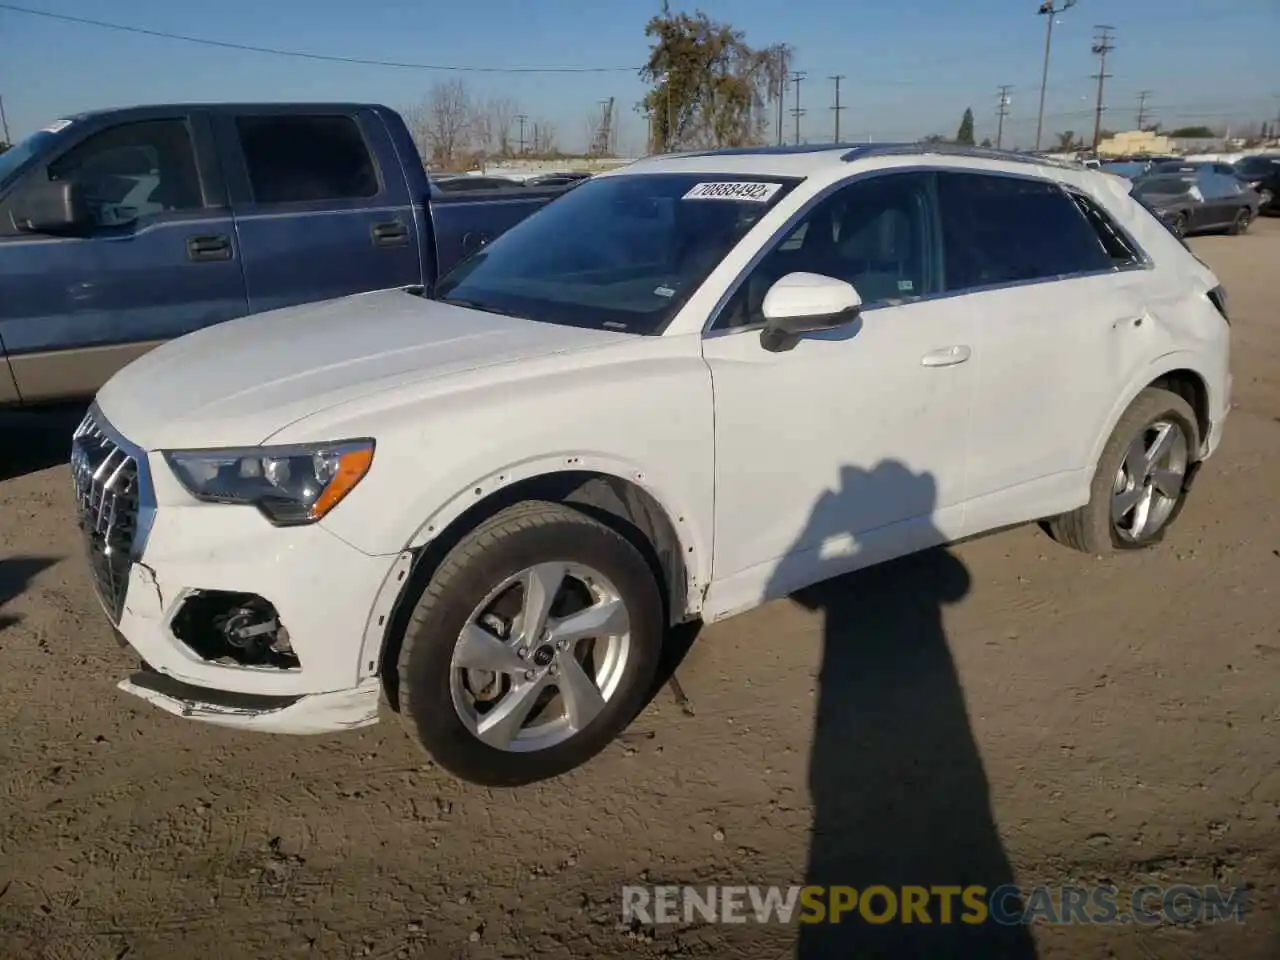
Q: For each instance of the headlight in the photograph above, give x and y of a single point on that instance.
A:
(290, 485)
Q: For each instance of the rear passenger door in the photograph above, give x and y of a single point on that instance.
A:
(1056, 297)
(321, 205)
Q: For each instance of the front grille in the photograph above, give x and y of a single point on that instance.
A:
(107, 487)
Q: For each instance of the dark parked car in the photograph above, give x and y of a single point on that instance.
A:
(470, 183)
(1262, 172)
(1196, 202)
(1191, 166)
(557, 180)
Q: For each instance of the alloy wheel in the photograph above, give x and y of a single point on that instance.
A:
(540, 657)
(1149, 483)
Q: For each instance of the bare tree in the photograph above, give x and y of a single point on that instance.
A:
(444, 121)
(502, 113)
(544, 137)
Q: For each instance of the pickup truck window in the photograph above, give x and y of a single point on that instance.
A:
(617, 253)
(134, 170)
(20, 153)
(303, 159)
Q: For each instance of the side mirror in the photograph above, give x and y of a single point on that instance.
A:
(802, 303)
(51, 206)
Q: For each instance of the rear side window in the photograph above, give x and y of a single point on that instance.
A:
(1119, 247)
(304, 159)
(1001, 229)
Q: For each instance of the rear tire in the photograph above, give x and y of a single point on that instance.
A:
(474, 684)
(1134, 497)
(1241, 223)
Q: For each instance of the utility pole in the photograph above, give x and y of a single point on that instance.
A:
(4, 123)
(1002, 112)
(1102, 45)
(796, 78)
(1143, 96)
(837, 108)
(1049, 9)
(782, 93)
(520, 119)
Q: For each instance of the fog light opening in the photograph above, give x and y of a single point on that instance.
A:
(234, 629)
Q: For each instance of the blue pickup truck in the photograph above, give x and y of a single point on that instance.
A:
(121, 229)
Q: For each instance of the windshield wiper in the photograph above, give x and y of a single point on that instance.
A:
(477, 305)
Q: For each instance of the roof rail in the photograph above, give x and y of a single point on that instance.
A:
(952, 150)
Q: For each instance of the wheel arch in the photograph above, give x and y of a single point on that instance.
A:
(1176, 373)
(663, 535)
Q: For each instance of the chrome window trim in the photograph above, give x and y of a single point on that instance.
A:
(709, 329)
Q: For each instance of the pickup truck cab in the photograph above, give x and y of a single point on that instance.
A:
(121, 229)
(682, 389)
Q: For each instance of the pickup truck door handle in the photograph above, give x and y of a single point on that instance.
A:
(216, 247)
(390, 234)
(947, 356)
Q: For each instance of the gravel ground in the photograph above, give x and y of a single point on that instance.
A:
(1008, 710)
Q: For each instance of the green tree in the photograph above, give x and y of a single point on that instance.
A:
(1194, 133)
(965, 134)
(709, 87)
(986, 143)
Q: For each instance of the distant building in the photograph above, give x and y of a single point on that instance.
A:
(1136, 143)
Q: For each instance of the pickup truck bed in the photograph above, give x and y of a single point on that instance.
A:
(171, 218)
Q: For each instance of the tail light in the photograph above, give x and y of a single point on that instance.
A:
(1218, 297)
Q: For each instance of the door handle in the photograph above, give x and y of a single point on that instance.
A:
(946, 357)
(390, 234)
(216, 247)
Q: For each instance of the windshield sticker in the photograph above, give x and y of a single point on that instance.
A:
(663, 292)
(57, 126)
(734, 190)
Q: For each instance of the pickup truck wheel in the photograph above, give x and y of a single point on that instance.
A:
(535, 644)
(1140, 485)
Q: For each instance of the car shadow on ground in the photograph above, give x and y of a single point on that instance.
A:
(16, 574)
(899, 794)
(37, 439)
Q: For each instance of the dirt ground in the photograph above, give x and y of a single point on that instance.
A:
(1008, 710)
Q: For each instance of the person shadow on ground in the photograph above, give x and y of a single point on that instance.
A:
(896, 780)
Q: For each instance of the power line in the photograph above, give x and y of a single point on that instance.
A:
(797, 112)
(1102, 45)
(837, 108)
(1002, 112)
(300, 54)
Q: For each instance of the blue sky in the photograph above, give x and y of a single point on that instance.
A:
(911, 68)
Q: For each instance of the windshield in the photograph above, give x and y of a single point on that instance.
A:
(1163, 187)
(22, 151)
(617, 253)
(1258, 165)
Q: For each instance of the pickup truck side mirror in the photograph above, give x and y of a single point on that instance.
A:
(51, 206)
(802, 303)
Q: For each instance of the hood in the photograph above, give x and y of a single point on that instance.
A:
(237, 383)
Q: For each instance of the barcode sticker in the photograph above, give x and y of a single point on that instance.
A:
(734, 190)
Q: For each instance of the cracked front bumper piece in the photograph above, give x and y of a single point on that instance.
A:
(157, 559)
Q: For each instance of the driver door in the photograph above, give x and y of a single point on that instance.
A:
(158, 259)
(850, 447)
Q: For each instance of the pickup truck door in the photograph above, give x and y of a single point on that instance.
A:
(158, 259)
(321, 204)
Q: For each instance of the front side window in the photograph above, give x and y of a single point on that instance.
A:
(875, 233)
(134, 171)
(616, 253)
(306, 159)
(1004, 229)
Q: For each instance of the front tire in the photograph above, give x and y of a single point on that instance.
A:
(534, 644)
(1139, 487)
(1241, 223)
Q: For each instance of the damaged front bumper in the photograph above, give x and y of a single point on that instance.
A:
(236, 622)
